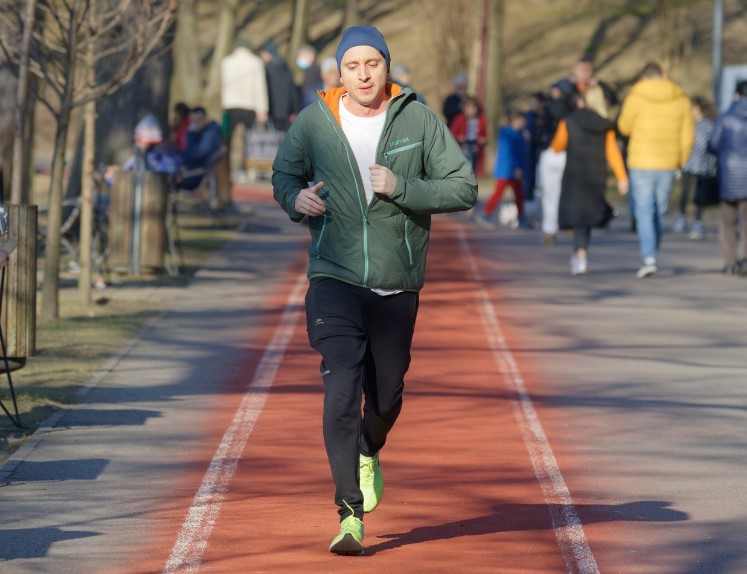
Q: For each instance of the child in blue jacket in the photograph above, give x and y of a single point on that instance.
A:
(510, 167)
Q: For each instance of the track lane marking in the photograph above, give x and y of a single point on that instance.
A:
(192, 541)
(565, 520)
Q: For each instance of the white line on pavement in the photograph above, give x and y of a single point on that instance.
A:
(192, 541)
(566, 523)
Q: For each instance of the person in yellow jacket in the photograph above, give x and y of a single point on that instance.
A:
(657, 119)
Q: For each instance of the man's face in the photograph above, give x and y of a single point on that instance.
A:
(197, 121)
(363, 73)
(582, 73)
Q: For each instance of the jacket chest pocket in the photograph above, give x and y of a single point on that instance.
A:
(404, 156)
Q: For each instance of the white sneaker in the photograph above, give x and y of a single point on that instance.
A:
(696, 231)
(680, 224)
(578, 265)
(648, 269)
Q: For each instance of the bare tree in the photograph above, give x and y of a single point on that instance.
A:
(17, 193)
(129, 29)
(187, 67)
(494, 64)
(452, 34)
(300, 31)
(352, 14)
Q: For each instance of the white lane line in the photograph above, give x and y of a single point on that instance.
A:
(192, 541)
(566, 523)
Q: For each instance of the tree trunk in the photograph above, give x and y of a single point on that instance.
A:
(86, 191)
(494, 65)
(351, 14)
(299, 33)
(187, 81)
(18, 194)
(8, 90)
(225, 35)
(50, 289)
(27, 177)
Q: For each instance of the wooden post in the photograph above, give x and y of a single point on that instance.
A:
(19, 313)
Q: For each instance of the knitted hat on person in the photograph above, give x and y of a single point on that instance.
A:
(147, 131)
(362, 36)
(270, 48)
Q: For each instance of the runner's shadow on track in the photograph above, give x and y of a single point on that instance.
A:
(525, 517)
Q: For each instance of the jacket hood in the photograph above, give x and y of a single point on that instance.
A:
(332, 97)
(590, 121)
(658, 90)
(739, 108)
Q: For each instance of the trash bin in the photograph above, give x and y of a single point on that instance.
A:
(137, 220)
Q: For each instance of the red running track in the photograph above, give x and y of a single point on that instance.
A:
(471, 484)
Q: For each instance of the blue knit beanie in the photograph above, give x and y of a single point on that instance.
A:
(361, 36)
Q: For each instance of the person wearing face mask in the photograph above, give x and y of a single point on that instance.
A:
(312, 76)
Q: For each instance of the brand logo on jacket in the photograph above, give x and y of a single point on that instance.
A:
(395, 143)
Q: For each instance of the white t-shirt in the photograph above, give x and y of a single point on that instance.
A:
(363, 134)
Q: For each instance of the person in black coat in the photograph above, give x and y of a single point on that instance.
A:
(588, 137)
(281, 89)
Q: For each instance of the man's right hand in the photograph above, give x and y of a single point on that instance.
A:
(309, 203)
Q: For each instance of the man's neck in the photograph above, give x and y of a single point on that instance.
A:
(378, 107)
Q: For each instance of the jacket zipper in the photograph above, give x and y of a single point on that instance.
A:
(407, 242)
(364, 214)
(321, 234)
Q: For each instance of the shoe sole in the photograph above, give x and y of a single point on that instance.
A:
(347, 546)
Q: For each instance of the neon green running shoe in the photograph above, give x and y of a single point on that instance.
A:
(349, 542)
(372, 481)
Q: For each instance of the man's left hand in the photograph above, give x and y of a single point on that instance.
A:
(383, 181)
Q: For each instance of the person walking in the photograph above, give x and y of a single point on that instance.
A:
(281, 89)
(699, 171)
(657, 119)
(729, 143)
(381, 164)
(588, 137)
(454, 102)
(311, 80)
(244, 95)
(510, 166)
(469, 128)
(551, 163)
(538, 126)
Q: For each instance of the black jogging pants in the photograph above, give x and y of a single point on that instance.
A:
(364, 340)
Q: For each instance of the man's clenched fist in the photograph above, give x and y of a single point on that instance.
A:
(309, 203)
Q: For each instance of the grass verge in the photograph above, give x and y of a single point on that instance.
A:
(73, 348)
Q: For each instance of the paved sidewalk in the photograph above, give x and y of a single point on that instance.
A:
(77, 501)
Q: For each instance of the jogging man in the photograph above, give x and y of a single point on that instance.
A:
(381, 164)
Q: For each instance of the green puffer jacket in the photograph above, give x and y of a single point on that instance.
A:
(381, 245)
